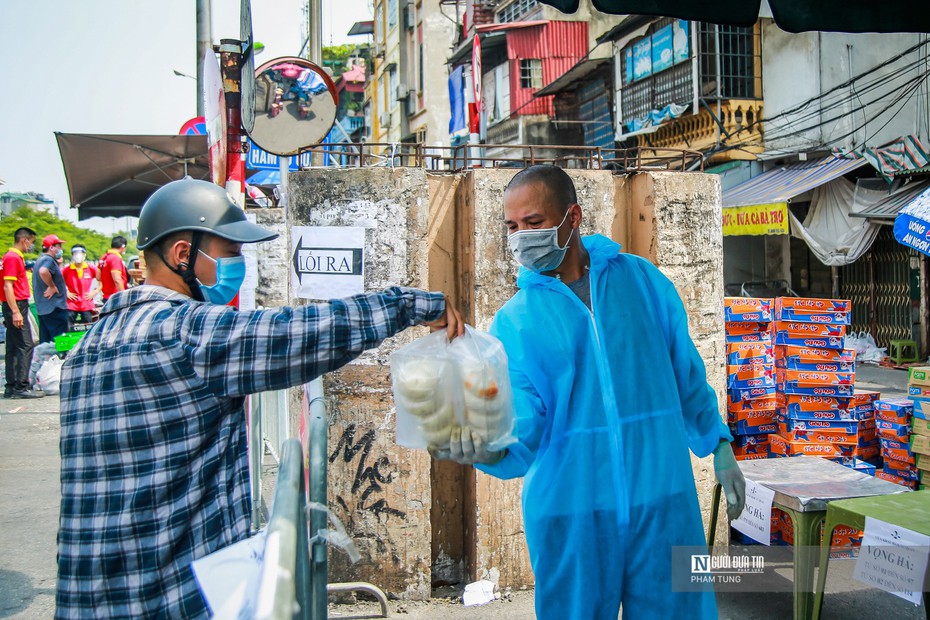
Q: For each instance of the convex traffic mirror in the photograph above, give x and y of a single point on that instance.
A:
(295, 105)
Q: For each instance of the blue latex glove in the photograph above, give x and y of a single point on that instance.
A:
(730, 478)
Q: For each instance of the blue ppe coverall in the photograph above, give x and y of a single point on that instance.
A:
(608, 401)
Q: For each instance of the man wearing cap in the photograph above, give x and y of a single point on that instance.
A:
(154, 470)
(49, 289)
(81, 280)
(19, 337)
(111, 272)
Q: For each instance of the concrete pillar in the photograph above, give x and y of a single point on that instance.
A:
(380, 490)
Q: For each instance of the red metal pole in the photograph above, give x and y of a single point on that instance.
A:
(231, 70)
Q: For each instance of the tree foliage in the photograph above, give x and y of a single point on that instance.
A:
(47, 224)
(335, 57)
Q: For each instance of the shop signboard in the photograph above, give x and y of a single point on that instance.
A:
(912, 225)
(662, 54)
(259, 159)
(642, 58)
(764, 219)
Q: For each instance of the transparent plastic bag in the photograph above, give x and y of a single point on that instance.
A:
(439, 386)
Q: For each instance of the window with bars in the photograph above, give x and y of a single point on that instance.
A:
(516, 10)
(531, 73)
(728, 62)
(730, 67)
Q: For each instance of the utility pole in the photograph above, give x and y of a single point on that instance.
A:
(204, 43)
(315, 32)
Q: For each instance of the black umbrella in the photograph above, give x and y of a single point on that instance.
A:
(790, 15)
(111, 175)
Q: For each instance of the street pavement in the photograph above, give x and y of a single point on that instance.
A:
(29, 499)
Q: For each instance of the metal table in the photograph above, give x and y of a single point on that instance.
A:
(803, 486)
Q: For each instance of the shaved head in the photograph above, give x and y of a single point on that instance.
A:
(558, 185)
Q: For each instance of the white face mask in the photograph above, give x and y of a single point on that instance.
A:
(78, 257)
(539, 250)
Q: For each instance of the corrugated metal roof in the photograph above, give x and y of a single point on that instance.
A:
(887, 208)
(786, 182)
(574, 77)
(558, 45)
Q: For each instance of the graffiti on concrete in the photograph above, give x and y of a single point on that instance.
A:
(368, 481)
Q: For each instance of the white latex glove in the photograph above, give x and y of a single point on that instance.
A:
(467, 447)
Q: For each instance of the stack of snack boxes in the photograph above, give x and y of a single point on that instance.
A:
(750, 375)
(819, 412)
(920, 423)
(893, 422)
(905, 433)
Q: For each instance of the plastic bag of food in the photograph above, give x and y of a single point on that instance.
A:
(439, 386)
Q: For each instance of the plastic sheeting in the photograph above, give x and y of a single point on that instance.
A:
(835, 238)
(904, 155)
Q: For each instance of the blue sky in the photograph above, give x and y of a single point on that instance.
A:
(106, 66)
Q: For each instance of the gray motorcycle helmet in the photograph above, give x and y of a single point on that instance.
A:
(198, 206)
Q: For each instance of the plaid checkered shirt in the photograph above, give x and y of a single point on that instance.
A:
(154, 470)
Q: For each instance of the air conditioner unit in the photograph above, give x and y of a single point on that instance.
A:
(403, 91)
(410, 16)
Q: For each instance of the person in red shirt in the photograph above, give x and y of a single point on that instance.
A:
(81, 280)
(19, 337)
(111, 272)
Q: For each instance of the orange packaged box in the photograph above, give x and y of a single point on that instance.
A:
(884, 475)
(831, 436)
(745, 329)
(752, 456)
(811, 355)
(781, 445)
(808, 330)
(766, 403)
(741, 352)
(844, 536)
(812, 305)
(752, 370)
(747, 309)
(865, 397)
(814, 378)
(753, 418)
(804, 402)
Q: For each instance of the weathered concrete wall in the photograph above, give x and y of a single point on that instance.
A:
(272, 259)
(380, 490)
(677, 224)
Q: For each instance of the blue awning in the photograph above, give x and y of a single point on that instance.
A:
(782, 184)
(265, 177)
(912, 226)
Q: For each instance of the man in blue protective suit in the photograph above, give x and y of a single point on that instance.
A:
(610, 393)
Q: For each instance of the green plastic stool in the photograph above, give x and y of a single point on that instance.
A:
(908, 510)
(902, 351)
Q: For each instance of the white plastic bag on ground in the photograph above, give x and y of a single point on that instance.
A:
(439, 386)
(49, 376)
(867, 350)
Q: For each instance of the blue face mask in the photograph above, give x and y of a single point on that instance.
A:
(230, 274)
(539, 250)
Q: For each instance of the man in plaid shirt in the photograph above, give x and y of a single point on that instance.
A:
(154, 471)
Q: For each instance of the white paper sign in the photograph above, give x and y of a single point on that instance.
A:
(756, 519)
(228, 577)
(327, 261)
(247, 290)
(893, 559)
